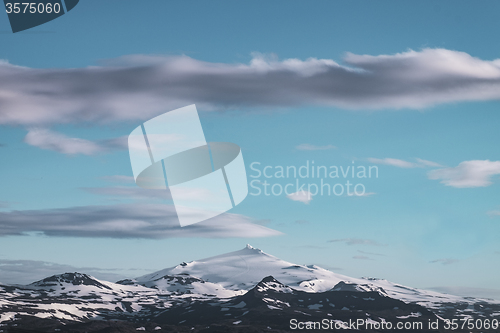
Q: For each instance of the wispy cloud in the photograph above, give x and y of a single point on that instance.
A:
(477, 173)
(50, 140)
(153, 84)
(362, 258)
(301, 196)
(356, 241)
(494, 213)
(137, 193)
(445, 261)
(312, 247)
(263, 221)
(28, 271)
(306, 146)
(392, 161)
(372, 253)
(126, 221)
(428, 163)
(420, 163)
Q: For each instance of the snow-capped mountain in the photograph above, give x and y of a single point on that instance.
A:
(243, 269)
(65, 280)
(245, 287)
(72, 296)
(271, 303)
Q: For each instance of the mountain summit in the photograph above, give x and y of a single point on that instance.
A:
(241, 270)
(67, 279)
(247, 287)
(245, 268)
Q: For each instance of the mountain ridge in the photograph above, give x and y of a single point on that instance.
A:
(247, 287)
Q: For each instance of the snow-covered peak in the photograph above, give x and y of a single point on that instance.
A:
(346, 286)
(268, 279)
(270, 284)
(75, 279)
(243, 269)
(250, 247)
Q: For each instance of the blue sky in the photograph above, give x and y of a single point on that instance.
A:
(96, 73)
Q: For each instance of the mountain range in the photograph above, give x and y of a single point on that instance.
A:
(242, 291)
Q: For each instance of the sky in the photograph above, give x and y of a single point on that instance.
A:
(410, 89)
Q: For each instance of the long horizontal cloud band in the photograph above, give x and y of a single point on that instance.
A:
(140, 87)
(125, 221)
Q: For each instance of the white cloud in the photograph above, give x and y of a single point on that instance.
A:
(306, 146)
(428, 163)
(126, 221)
(404, 164)
(50, 140)
(475, 173)
(117, 90)
(301, 196)
(494, 213)
(46, 139)
(393, 161)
